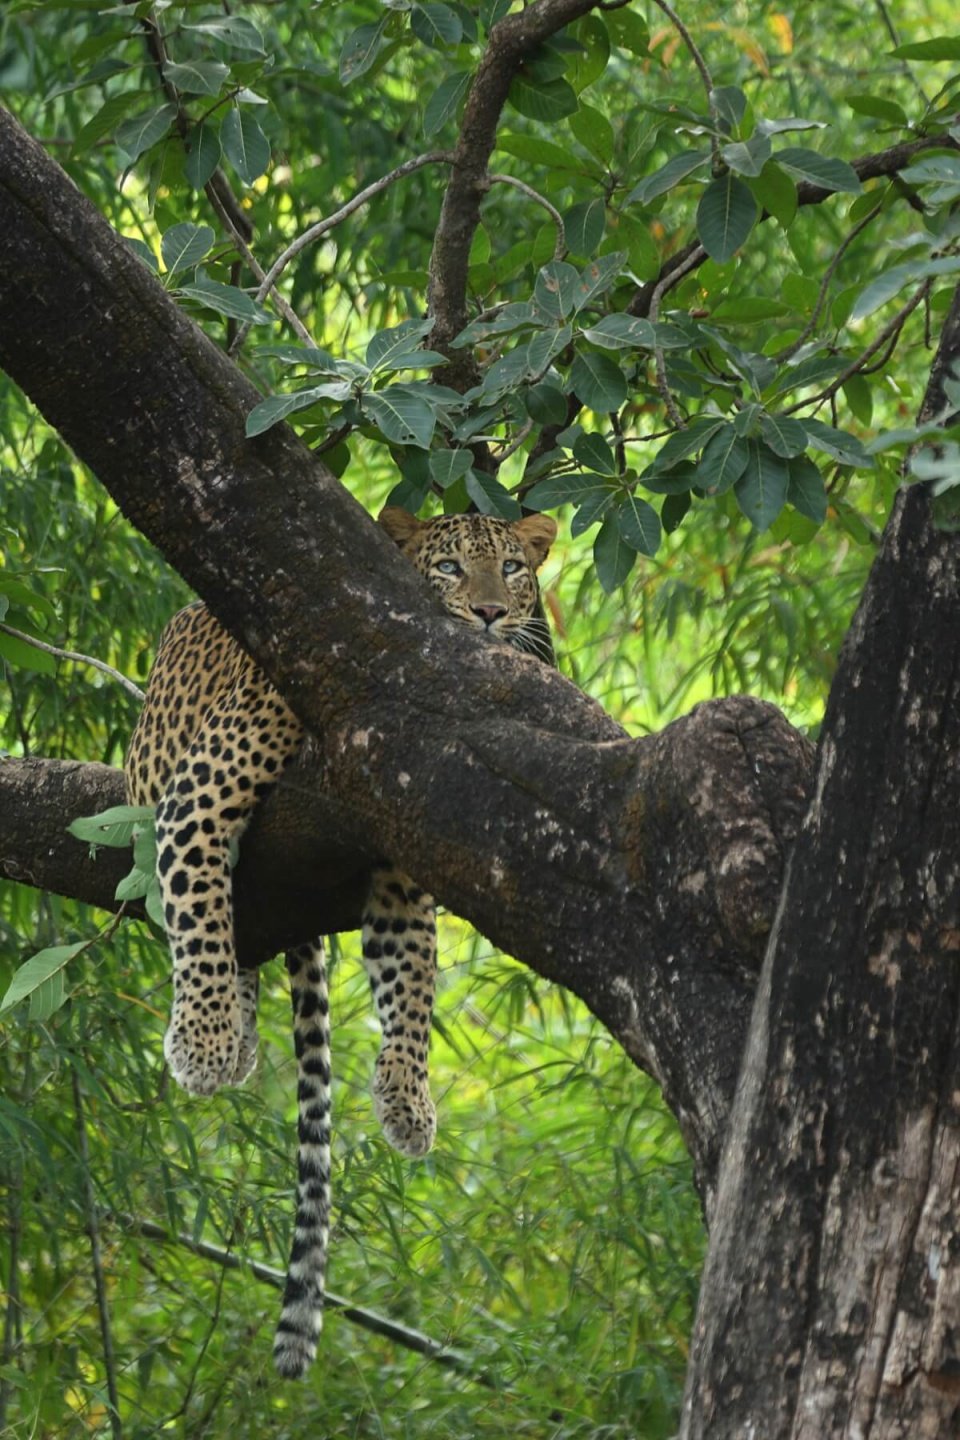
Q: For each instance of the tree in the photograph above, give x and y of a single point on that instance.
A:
(672, 848)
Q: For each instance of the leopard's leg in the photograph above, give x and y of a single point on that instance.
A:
(302, 1315)
(248, 990)
(245, 740)
(400, 957)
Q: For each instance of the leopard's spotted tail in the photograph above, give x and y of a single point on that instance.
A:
(295, 1345)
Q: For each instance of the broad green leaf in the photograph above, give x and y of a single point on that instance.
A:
(678, 480)
(436, 24)
(226, 300)
(546, 404)
(805, 491)
(555, 290)
(490, 497)
(786, 437)
(245, 145)
(196, 77)
(878, 107)
(277, 407)
(629, 232)
(594, 453)
(547, 102)
(622, 332)
(445, 101)
(628, 30)
(613, 557)
(37, 969)
(730, 103)
(747, 157)
(398, 340)
(185, 245)
(639, 525)
(687, 442)
(233, 30)
(597, 277)
(360, 50)
(153, 903)
(592, 53)
(546, 153)
(591, 511)
(113, 827)
(446, 466)
(47, 999)
(761, 490)
(404, 419)
(594, 131)
(788, 122)
(133, 886)
(571, 487)
(847, 449)
(725, 216)
(203, 155)
(892, 281)
(24, 597)
(673, 510)
(138, 134)
(823, 170)
(776, 192)
(583, 227)
(517, 316)
(859, 396)
(24, 656)
(145, 848)
(723, 461)
(669, 175)
(941, 47)
(106, 119)
(598, 381)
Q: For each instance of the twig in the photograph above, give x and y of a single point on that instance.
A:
(701, 65)
(317, 231)
(659, 359)
(93, 1230)
(888, 331)
(515, 443)
(357, 1314)
(128, 685)
(226, 219)
(552, 210)
(782, 355)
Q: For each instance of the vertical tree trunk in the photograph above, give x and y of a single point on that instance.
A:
(830, 1303)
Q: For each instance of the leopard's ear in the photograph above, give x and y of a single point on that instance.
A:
(400, 525)
(536, 534)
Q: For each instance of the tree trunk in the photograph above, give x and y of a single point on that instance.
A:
(830, 1303)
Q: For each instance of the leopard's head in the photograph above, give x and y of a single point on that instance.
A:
(484, 569)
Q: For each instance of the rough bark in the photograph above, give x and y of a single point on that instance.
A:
(831, 1295)
(641, 874)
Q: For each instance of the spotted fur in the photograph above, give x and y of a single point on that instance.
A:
(213, 737)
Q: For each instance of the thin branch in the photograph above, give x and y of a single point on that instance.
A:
(889, 331)
(357, 1314)
(783, 355)
(226, 219)
(701, 65)
(511, 449)
(93, 1230)
(322, 227)
(660, 362)
(551, 210)
(128, 685)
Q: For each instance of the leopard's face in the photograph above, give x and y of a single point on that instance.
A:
(483, 568)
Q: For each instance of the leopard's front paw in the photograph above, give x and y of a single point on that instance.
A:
(404, 1108)
(246, 1056)
(201, 1057)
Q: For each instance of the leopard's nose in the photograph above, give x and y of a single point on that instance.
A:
(489, 613)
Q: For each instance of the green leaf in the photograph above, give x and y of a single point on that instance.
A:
(594, 453)
(360, 50)
(114, 827)
(574, 486)
(153, 903)
(730, 103)
(777, 193)
(555, 290)
(546, 102)
(445, 101)
(591, 511)
(723, 461)
(245, 145)
(47, 999)
(673, 510)
(490, 497)
(598, 381)
(583, 226)
(203, 155)
(196, 77)
(687, 442)
(277, 407)
(138, 134)
(185, 245)
(878, 107)
(613, 557)
(892, 281)
(133, 886)
(785, 437)
(805, 491)
(446, 466)
(639, 525)
(725, 217)
(822, 170)
(592, 51)
(546, 153)
(628, 30)
(23, 597)
(226, 300)
(761, 490)
(436, 24)
(941, 47)
(400, 339)
(402, 418)
(37, 969)
(597, 277)
(26, 657)
(594, 131)
(847, 449)
(546, 404)
(233, 30)
(622, 332)
(747, 157)
(106, 119)
(859, 396)
(669, 175)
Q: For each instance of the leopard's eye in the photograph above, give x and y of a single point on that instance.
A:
(510, 567)
(449, 567)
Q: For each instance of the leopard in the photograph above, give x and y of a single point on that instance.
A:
(213, 738)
